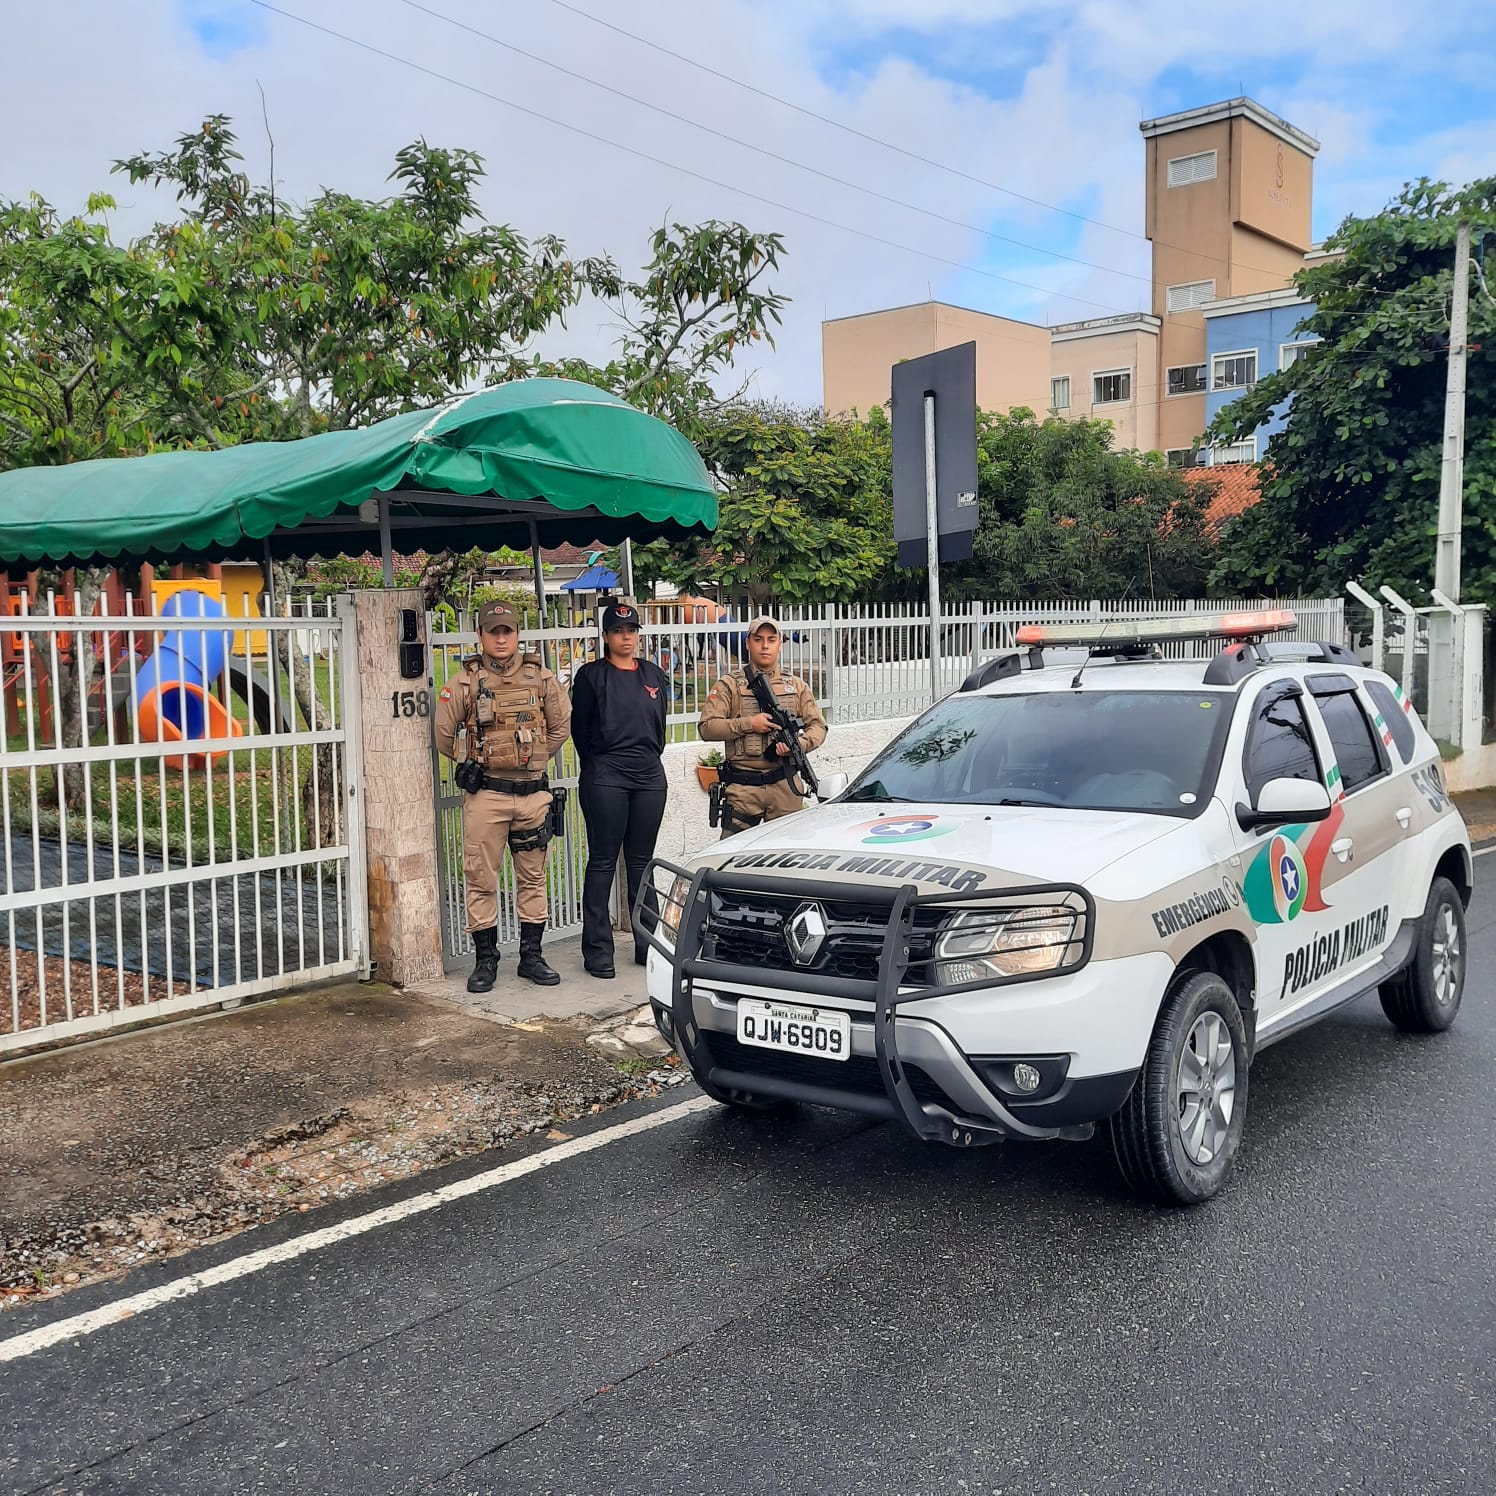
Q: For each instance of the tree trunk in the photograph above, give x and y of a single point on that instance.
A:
(77, 673)
(321, 806)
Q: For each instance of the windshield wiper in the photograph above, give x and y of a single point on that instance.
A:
(1042, 804)
(873, 790)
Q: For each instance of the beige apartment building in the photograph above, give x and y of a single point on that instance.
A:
(858, 354)
(1229, 192)
(1107, 368)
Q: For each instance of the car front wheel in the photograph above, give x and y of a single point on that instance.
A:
(1177, 1133)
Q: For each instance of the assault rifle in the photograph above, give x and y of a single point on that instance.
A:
(787, 730)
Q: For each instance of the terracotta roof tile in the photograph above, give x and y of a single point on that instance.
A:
(1236, 490)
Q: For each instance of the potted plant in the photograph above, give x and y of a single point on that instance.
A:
(707, 766)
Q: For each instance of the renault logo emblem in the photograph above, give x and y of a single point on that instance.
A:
(805, 933)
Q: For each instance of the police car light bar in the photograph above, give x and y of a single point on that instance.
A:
(1125, 633)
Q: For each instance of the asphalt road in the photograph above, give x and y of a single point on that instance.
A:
(819, 1304)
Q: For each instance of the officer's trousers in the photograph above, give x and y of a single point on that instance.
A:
(618, 819)
(487, 819)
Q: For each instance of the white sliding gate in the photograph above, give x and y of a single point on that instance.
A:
(145, 875)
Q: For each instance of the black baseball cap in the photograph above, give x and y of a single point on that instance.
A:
(620, 616)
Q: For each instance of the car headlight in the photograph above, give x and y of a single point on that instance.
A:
(674, 908)
(981, 943)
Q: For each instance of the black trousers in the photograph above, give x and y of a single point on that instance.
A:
(618, 820)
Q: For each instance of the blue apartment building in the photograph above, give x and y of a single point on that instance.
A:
(1247, 338)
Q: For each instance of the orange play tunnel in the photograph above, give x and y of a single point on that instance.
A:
(182, 710)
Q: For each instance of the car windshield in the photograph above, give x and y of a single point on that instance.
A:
(1148, 751)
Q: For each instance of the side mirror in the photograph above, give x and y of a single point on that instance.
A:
(1281, 801)
(833, 785)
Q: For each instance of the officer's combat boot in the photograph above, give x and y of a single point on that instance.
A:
(486, 967)
(532, 964)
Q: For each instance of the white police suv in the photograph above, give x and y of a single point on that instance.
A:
(1079, 892)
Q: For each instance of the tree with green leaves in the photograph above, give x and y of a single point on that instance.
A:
(92, 338)
(1062, 514)
(348, 310)
(806, 514)
(702, 299)
(1350, 486)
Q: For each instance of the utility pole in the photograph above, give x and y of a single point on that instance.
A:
(1445, 628)
(1452, 471)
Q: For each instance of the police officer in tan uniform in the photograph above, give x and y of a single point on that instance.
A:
(755, 777)
(513, 718)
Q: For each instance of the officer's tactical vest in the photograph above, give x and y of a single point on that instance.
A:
(506, 728)
(754, 747)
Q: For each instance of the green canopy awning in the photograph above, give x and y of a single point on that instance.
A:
(572, 460)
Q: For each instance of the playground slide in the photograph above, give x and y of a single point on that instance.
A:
(173, 687)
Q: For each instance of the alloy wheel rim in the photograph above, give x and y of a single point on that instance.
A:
(1205, 1088)
(1448, 957)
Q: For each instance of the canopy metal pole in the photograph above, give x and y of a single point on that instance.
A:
(269, 579)
(628, 571)
(386, 545)
(539, 574)
(539, 582)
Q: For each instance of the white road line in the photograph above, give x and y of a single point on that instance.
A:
(77, 1325)
(1481, 851)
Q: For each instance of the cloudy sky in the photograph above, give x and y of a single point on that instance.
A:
(1020, 185)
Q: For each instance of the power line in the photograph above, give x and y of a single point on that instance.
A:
(617, 145)
(889, 145)
(816, 171)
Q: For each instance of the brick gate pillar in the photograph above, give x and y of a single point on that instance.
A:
(399, 803)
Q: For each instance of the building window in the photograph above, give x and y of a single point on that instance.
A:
(1234, 371)
(1186, 170)
(1237, 452)
(1290, 353)
(1059, 392)
(1111, 386)
(1180, 457)
(1187, 379)
(1190, 295)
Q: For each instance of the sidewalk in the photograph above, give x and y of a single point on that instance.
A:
(516, 1001)
(1479, 810)
(153, 1142)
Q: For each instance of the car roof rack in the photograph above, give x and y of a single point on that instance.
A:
(1232, 666)
(1009, 662)
(1312, 651)
(1237, 661)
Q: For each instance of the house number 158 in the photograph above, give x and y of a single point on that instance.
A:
(410, 703)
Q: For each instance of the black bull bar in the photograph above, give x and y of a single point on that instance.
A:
(688, 966)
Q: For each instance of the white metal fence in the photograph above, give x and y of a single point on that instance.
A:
(175, 807)
(863, 664)
(873, 662)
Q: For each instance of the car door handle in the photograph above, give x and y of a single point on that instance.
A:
(1343, 848)
(1403, 817)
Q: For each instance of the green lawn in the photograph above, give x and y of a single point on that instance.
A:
(229, 810)
(233, 807)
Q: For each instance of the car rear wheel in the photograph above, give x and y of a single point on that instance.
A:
(1177, 1133)
(1424, 996)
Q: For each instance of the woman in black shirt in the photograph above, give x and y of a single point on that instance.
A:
(618, 724)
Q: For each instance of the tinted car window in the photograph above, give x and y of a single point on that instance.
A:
(1393, 715)
(1356, 750)
(1081, 750)
(1279, 744)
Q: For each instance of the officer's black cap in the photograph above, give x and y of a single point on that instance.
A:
(620, 616)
